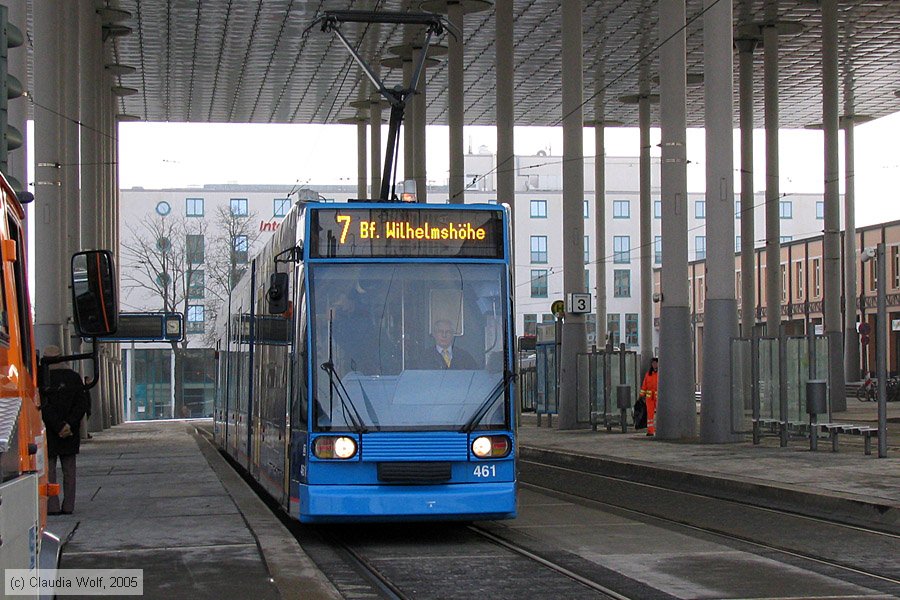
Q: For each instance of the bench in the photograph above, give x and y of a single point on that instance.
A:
(832, 430)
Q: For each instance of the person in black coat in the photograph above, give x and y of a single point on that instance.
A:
(64, 403)
(443, 355)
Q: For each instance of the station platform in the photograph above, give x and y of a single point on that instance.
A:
(846, 486)
(158, 496)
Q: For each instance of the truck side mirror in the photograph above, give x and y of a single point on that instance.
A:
(277, 295)
(95, 304)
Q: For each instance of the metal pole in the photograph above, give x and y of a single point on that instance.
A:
(646, 234)
(748, 270)
(600, 212)
(881, 350)
(375, 144)
(832, 235)
(574, 341)
(773, 195)
(851, 337)
(361, 143)
(420, 123)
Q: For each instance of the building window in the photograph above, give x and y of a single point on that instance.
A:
(193, 207)
(587, 249)
(197, 286)
(820, 210)
(539, 248)
(737, 285)
(798, 279)
(700, 247)
(622, 249)
(281, 206)
(538, 209)
(873, 276)
(657, 209)
(612, 328)
(701, 293)
(621, 209)
(547, 319)
(530, 324)
(737, 210)
(786, 209)
(241, 249)
(817, 279)
(700, 209)
(895, 266)
(621, 283)
(539, 283)
(631, 329)
(587, 279)
(785, 239)
(587, 209)
(194, 246)
(163, 208)
(239, 207)
(657, 250)
(196, 318)
(737, 243)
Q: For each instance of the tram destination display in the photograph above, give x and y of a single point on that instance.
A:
(384, 233)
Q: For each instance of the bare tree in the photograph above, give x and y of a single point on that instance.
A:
(228, 257)
(166, 258)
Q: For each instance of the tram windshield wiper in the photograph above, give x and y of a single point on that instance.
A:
(498, 392)
(349, 409)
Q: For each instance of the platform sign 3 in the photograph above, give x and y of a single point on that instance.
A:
(578, 303)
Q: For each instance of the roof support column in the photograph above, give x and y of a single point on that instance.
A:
(506, 159)
(375, 145)
(748, 266)
(720, 324)
(600, 205)
(48, 156)
(408, 118)
(831, 244)
(573, 329)
(851, 261)
(773, 195)
(646, 235)
(71, 199)
(455, 105)
(361, 159)
(676, 412)
(419, 122)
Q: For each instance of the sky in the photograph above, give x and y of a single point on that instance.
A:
(165, 155)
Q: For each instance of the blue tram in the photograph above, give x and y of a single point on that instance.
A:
(365, 369)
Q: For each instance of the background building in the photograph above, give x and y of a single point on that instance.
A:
(182, 249)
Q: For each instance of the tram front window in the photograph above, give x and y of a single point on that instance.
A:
(409, 346)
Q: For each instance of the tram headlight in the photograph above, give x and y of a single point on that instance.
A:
(491, 446)
(334, 447)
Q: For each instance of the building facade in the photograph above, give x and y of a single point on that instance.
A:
(211, 231)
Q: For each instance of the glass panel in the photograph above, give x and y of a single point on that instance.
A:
(582, 389)
(796, 377)
(151, 385)
(768, 383)
(546, 378)
(397, 346)
(741, 385)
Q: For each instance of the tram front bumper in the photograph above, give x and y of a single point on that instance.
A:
(464, 501)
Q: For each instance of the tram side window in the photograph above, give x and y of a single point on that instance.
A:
(299, 396)
(21, 294)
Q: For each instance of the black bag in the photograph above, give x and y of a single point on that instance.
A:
(639, 414)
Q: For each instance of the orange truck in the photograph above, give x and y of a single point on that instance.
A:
(24, 488)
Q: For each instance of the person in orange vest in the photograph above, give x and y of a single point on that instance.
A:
(649, 391)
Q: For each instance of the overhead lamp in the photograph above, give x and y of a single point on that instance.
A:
(116, 31)
(118, 69)
(121, 91)
(690, 78)
(636, 98)
(124, 117)
(108, 15)
(442, 6)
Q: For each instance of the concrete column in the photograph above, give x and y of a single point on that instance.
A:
(48, 156)
(71, 161)
(456, 106)
(420, 122)
(361, 159)
(17, 111)
(600, 207)
(408, 127)
(646, 235)
(748, 266)
(676, 412)
(832, 235)
(573, 330)
(852, 369)
(375, 145)
(721, 307)
(773, 195)
(506, 159)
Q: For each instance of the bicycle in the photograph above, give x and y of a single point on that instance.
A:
(867, 391)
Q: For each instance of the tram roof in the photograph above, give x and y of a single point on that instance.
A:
(255, 61)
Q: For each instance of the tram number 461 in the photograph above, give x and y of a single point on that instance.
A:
(485, 471)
